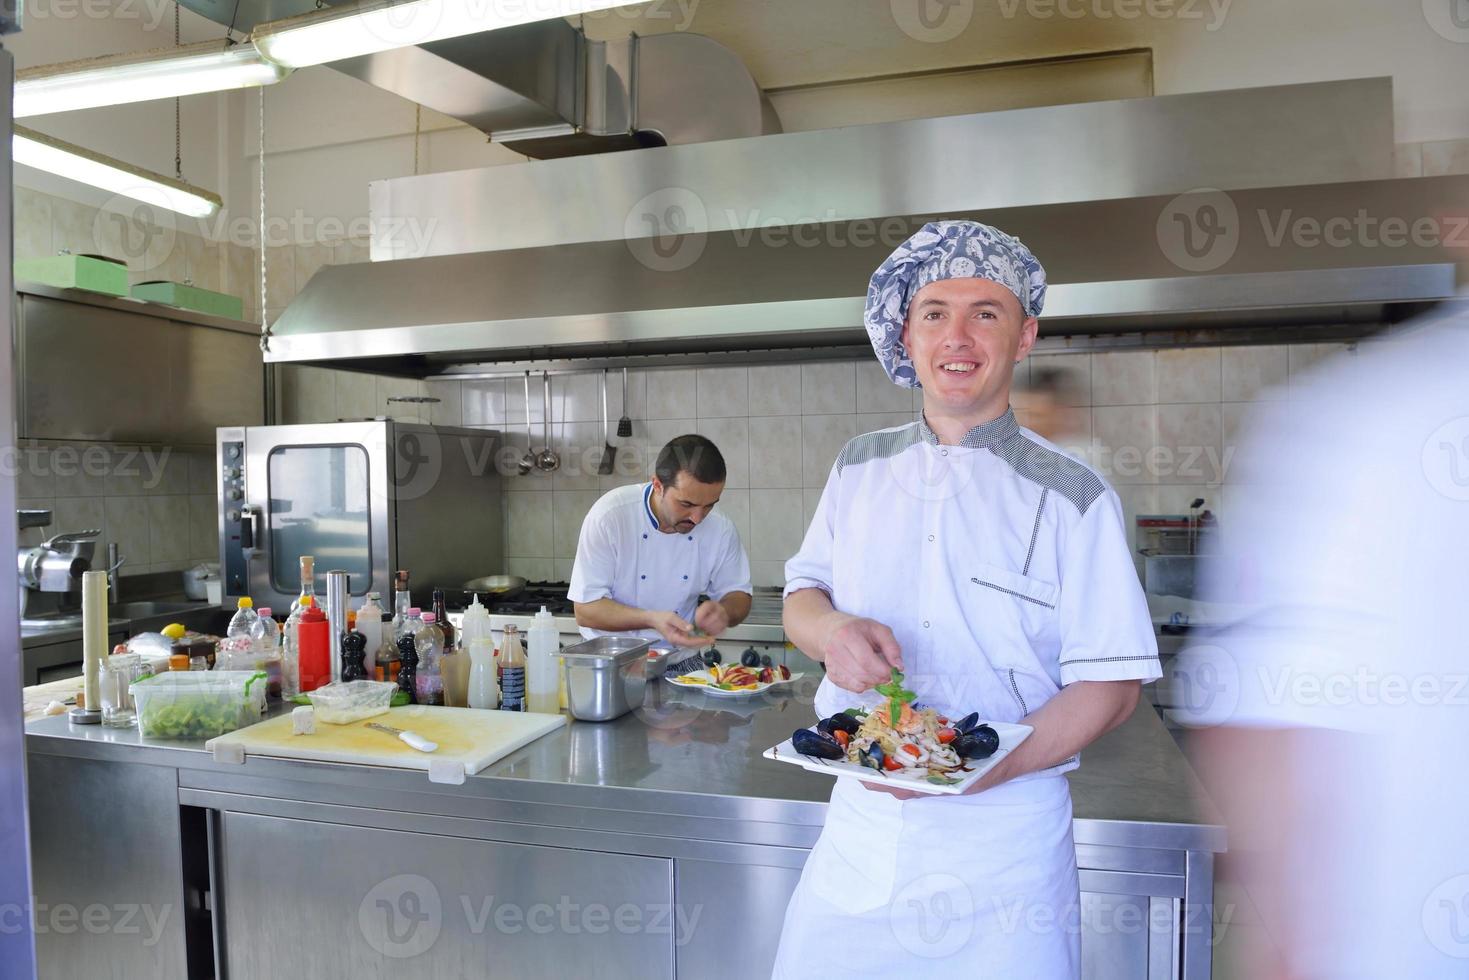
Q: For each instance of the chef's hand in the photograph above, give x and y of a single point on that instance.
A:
(676, 630)
(711, 617)
(859, 653)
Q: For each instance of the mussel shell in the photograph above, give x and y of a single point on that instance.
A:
(840, 721)
(980, 743)
(816, 744)
(967, 723)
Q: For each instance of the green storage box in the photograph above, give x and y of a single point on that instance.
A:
(187, 297)
(93, 272)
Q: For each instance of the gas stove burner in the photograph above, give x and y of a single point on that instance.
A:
(527, 602)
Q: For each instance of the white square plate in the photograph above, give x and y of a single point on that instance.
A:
(1010, 736)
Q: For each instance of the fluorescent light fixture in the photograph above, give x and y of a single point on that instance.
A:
(365, 27)
(209, 66)
(65, 160)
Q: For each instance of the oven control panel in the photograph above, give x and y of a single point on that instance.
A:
(236, 527)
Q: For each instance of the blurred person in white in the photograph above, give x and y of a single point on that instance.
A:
(1336, 703)
(1050, 405)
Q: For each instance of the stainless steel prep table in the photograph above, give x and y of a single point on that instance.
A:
(669, 809)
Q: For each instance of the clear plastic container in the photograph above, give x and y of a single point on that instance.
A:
(343, 703)
(198, 704)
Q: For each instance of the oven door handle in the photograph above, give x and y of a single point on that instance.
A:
(249, 530)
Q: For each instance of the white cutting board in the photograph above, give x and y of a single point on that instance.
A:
(469, 739)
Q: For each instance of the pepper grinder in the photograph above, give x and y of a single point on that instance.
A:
(408, 669)
(354, 657)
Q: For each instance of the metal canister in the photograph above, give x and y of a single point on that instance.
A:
(336, 617)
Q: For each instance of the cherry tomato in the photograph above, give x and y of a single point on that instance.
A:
(842, 737)
(911, 749)
(947, 735)
(891, 764)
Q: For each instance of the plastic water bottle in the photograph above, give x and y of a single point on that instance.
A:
(541, 687)
(370, 625)
(484, 684)
(244, 618)
(266, 637)
(428, 682)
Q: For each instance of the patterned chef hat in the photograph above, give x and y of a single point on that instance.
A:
(944, 250)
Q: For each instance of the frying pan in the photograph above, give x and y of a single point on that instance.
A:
(496, 586)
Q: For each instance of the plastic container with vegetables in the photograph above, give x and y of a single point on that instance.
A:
(198, 704)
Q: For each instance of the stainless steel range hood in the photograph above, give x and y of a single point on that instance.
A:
(491, 286)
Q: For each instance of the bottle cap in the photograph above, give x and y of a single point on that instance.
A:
(264, 610)
(307, 600)
(429, 618)
(313, 615)
(245, 602)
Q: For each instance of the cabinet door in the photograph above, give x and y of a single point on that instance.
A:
(1128, 937)
(720, 902)
(314, 900)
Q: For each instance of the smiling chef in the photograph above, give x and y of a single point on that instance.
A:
(992, 570)
(648, 551)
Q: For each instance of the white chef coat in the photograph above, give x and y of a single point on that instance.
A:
(1003, 569)
(1348, 517)
(621, 554)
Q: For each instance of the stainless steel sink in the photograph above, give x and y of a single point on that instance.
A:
(132, 612)
(147, 610)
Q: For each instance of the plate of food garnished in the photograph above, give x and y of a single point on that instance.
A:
(914, 748)
(736, 680)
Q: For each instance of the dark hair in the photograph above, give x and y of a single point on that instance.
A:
(691, 454)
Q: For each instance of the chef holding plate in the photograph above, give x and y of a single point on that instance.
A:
(994, 572)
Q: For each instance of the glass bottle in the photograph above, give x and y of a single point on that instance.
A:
(441, 616)
(512, 671)
(308, 582)
(428, 680)
(402, 600)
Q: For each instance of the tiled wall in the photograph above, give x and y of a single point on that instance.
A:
(1160, 425)
(157, 504)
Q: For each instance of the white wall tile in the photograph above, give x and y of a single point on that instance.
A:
(828, 388)
(822, 438)
(777, 534)
(203, 527)
(1253, 373)
(658, 434)
(312, 393)
(735, 505)
(533, 569)
(1124, 378)
(873, 421)
(1408, 160)
(127, 520)
(79, 514)
(575, 397)
(775, 451)
(389, 388)
(1190, 374)
(876, 393)
(168, 528)
(1444, 157)
(1192, 435)
(357, 396)
(484, 403)
(1075, 385)
(1302, 359)
(768, 574)
(528, 528)
(1123, 438)
(569, 510)
(732, 437)
(449, 409)
(810, 500)
(308, 260)
(723, 392)
(203, 472)
(580, 447)
(775, 389)
(671, 395)
(33, 231)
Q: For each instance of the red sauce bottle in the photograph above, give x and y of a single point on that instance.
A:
(314, 660)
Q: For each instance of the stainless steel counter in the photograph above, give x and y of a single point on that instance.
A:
(677, 786)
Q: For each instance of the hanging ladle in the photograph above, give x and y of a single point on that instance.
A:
(528, 461)
(547, 460)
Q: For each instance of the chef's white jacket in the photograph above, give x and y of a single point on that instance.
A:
(622, 555)
(1001, 565)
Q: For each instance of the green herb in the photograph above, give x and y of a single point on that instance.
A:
(942, 780)
(896, 694)
(856, 712)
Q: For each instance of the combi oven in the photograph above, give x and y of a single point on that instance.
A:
(367, 497)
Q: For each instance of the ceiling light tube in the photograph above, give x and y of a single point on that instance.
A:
(65, 160)
(368, 26)
(209, 66)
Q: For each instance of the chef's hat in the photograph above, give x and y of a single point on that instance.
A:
(944, 250)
